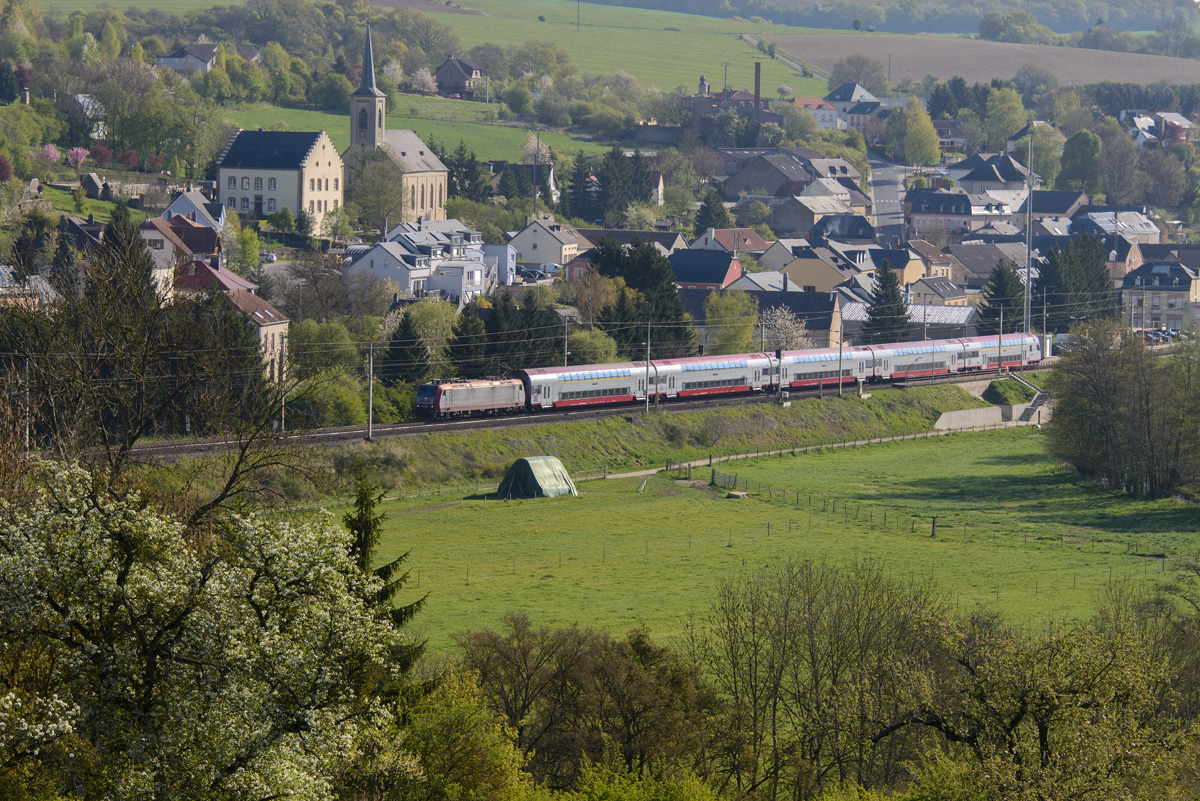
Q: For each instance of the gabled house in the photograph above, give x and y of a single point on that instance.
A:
(1001, 172)
(818, 269)
(976, 260)
(261, 172)
(196, 275)
(824, 112)
(544, 241)
(788, 216)
(1050, 203)
(1135, 226)
(272, 327)
(937, 264)
(198, 57)
(166, 248)
(853, 229)
(731, 240)
(670, 241)
(197, 208)
(868, 119)
(704, 269)
(933, 291)
(951, 136)
(458, 76)
(774, 174)
(196, 237)
(849, 95)
(392, 262)
(1162, 294)
(781, 253)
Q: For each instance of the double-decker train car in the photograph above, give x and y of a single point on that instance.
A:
(455, 398)
(626, 382)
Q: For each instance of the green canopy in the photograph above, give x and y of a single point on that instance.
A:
(536, 477)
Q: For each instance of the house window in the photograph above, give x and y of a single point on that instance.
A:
(271, 204)
(380, 123)
(440, 202)
(311, 207)
(335, 202)
(271, 184)
(233, 202)
(413, 200)
(245, 204)
(335, 184)
(258, 184)
(312, 185)
(326, 184)
(245, 183)
(534, 246)
(422, 198)
(232, 182)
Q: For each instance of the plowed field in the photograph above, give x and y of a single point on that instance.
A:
(918, 56)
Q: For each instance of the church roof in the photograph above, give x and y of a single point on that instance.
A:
(268, 150)
(410, 153)
(366, 86)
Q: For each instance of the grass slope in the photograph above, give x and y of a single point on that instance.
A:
(663, 49)
(439, 119)
(615, 557)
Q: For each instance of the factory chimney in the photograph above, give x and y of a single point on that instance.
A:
(757, 86)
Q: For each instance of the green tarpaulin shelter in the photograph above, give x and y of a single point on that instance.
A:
(536, 477)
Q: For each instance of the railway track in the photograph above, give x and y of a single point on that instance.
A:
(177, 448)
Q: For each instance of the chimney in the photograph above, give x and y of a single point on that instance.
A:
(785, 289)
(24, 95)
(215, 261)
(757, 86)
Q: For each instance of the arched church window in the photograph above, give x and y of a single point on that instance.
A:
(380, 123)
(362, 118)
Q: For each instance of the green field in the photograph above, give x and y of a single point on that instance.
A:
(1039, 543)
(444, 121)
(663, 49)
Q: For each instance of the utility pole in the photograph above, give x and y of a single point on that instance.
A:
(537, 152)
(647, 367)
(564, 341)
(839, 377)
(28, 412)
(576, 16)
(282, 393)
(1029, 233)
(1000, 344)
(370, 390)
(487, 78)
(725, 96)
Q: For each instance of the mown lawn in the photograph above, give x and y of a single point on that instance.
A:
(1038, 542)
(438, 119)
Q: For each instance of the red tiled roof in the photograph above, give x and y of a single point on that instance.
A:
(199, 275)
(258, 310)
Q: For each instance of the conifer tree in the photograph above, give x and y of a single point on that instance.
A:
(8, 82)
(64, 272)
(712, 214)
(467, 349)
(407, 357)
(1003, 290)
(887, 316)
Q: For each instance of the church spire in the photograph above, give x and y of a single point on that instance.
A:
(366, 86)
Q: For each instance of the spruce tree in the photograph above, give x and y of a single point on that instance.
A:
(712, 214)
(506, 341)
(468, 346)
(64, 272)
(1003, 290)
(1075, 285)
(8, 82)
(575, 199)
(508, 186)
(887, 316)
(407, 357)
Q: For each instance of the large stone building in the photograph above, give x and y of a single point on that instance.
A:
(261, 172)
(425, 176)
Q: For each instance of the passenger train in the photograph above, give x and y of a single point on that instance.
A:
(662, 379)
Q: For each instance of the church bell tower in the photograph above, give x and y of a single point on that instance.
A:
(367, 104)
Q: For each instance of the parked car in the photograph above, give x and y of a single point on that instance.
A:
(266, 256)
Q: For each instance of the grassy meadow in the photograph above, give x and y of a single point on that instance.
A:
(1038, 543)
(438, 119)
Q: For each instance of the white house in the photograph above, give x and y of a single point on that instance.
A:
(261, 172)
(197, 208)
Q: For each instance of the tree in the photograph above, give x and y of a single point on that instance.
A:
(1005, 116)
(784, 90)
(1047, 152)
(336, 224)
(731, 316)
(887, 316)
(305, 223)
(783, 330)
(1162, 178)
(8, 82)
(798, 122)
(407, 358)
(921, 140)
(374, 184)
(422, 82)
(518, 99)
(64, 271)
(1075, 285)
(862, 70)
(1119, 174)
(282, 220)
(942, 103)
(1003, 291)
(712, 214)
(1080, 163)
(1032, 82)
(591, 347)
(467, 349)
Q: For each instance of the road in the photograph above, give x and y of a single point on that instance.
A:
(887, 194)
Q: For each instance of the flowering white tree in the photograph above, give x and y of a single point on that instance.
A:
(783, 330)
(394, 72)
(422, 81)
(235, 664)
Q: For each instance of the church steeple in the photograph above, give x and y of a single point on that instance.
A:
(367, 103)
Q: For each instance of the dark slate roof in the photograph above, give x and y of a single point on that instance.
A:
(465, 67)
(865, 109)
(844, 226)
(787, 166)
(849, 92)
(204, 52)
(700, 266)
(948, 128)
(366, 86)
(1162, 274)
(814, 308)
(268, 150)
(669, 240)
(932, 201)
(980, 259)
(1054, 201)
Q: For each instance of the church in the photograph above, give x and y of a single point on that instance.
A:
(424, 173)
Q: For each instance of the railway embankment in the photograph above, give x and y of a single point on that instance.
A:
(631, 441)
